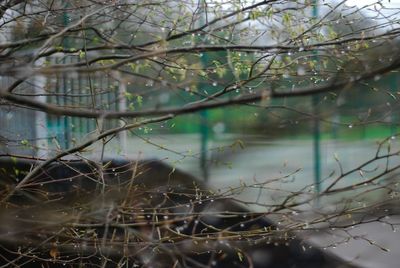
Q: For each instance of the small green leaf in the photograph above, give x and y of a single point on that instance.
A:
(132, 66)
(139, 100)
(287, 19)
(81, 54)
(128, 95)
(25, 142)
(270, 13)
(240, 255)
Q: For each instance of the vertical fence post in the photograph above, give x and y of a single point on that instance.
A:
(56, 124)
(41, 130)
(316, 127)
(66, 124)
(204, 116)
(122, 106)
(393, 117)
(204, 143)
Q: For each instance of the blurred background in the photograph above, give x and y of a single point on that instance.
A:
(265, 150)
